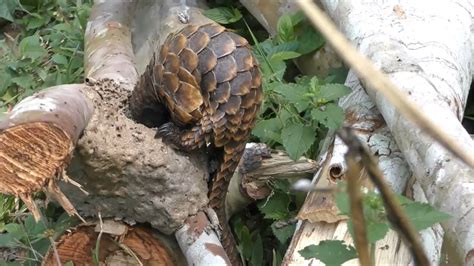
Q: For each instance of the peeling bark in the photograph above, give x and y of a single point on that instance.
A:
(198, 242)
(108, 46)
(259, 165)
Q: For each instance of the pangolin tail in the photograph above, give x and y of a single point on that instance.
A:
(232, 153)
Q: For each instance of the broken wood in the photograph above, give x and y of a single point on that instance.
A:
(110, 244)
(36, 142)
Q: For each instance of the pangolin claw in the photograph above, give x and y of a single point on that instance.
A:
(169, 133)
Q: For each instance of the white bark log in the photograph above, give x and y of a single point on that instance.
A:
(108, 48)
(425, 48)
(199, 243)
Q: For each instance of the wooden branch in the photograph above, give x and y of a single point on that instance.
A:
(258, 166)
(199, 242)
(108, 46)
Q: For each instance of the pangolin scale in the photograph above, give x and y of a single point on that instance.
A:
(210, 83)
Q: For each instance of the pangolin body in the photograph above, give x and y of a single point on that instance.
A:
(209, 81)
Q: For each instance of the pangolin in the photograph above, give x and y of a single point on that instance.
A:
(210, 83)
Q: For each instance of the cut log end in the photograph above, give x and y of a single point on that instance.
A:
(32, 155)
(134, 246)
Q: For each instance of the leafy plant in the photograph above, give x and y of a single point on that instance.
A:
(33, 237)
(272, 219)
(421, 215)
(295, 114)
(48, 51)
(7, 204)
(223, 15)
(329, 252)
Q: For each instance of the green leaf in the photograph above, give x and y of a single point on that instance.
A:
(375, 230)
(284, 55)
(285, 28)
(329, 252)
(309, 39)
(41, 246)
(37, 21)
(282, 185)
(34, 228)
(6, 82)
(30, 47)
(8, 241)
(342, 203)
(294, 94)
(63, 27)
(268, 130)
(59, 59)
(276, 206)
(332, 92)
(7, 8)
(63, 223)
(283, 233)
(284, 115)
(25, 82)
(297, 139)
(43, 73)
(257, 251)
(16, 231)
(245, 243)
(297, 17)
(337, 75)
(270, 70)
(277, 257)
(283, 47)
(423, 215)
(330, 115)
(223, 15)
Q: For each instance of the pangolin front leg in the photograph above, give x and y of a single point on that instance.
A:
(210, 83)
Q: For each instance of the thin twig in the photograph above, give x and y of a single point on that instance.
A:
(55, 251)
(97, 243)
(395, 214)
(357, 211)
(130, 252)
(376, 80)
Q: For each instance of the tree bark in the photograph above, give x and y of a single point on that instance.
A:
(401, 38)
